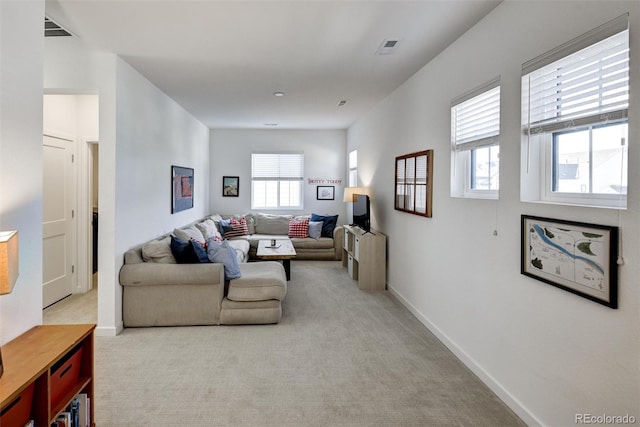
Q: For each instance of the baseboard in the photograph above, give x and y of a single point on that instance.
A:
(109, 331)
(514, 404)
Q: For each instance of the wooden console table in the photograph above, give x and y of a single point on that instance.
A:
(31, 362)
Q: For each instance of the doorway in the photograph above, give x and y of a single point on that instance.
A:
(76, 118)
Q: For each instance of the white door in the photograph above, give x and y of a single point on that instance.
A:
(57, 230)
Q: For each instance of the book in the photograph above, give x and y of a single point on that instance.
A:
(83, 410)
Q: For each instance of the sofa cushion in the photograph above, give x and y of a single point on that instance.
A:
(272, 224)
(158, 251)
(260, 281)
(328, 223)
(187, 233)
(208, 229)
(309, 243)
(183, 252)
(241, 246)
(224, 254)
(299, 228)
(315, 229)
(238, 228)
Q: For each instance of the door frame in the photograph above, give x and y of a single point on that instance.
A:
(84, 217)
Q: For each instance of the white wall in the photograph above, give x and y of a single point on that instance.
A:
(142, 132)
(21, 158)
(324, 157)
(548, 353)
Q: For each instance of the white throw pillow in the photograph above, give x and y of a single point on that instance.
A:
(189, 233)
(315, 229)
(158, 251)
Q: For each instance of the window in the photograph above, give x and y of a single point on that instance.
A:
(276, 180)
(353, 168)
(574, 119)
(475, 135)
(414, 183)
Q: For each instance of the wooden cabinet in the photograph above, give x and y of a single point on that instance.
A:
(364, 257)
(53, 363)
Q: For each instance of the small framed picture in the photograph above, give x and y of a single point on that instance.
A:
(325, 192)
(230, 186)
(181, 188)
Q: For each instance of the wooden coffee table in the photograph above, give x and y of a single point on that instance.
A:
(283, 251)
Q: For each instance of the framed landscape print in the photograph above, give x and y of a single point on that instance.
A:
(181, 188)
(577, 257)
(230, 186)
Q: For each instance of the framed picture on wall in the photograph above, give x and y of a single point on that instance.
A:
(230, 186)
(325, 192)
(577, 257)
(181, 188)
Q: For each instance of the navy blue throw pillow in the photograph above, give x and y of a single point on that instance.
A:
(183, 251)
(200, 252)
(328, 223)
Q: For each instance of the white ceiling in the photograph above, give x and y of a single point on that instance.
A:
(223, 60)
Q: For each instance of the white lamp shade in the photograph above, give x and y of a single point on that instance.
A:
(8, 260)
(350, 191)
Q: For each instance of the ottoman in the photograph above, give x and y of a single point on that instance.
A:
(255, 297)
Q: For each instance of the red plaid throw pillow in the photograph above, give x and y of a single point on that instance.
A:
(299, 228)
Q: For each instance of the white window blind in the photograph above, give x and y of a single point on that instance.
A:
(475, 118)
(277, 167)
(585, 81)
(277, 180)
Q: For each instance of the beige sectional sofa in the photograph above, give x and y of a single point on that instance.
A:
(269, 226)
(157, 291)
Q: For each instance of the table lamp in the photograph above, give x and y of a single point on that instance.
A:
(349, 192)
(8, 266)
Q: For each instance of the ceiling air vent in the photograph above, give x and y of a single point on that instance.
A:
(387, 46)
(51, 29)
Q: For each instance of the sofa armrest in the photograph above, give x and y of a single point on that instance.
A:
(338, 242)
(154, 274)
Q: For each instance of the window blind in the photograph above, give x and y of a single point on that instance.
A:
(475, 118)
(277, 167)
(585, 86)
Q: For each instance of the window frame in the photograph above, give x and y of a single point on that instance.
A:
(279, 181)
(463, 152)
(538, 136)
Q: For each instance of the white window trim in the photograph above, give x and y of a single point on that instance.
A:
(547, 195)
(461, 154)
(536, 162)
(279, 208)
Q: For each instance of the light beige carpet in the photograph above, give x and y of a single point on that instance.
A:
(340, 357)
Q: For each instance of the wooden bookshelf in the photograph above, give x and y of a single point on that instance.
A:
(32, 359)
(364, 257)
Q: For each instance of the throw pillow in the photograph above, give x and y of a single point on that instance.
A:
(207, 228)
(315, 229)
(238, 228)
(328, 223)
(183, 252)
(187, 233)
(299, 228)
(225, 226)
(200, 251)
(158, 251)
(224, 254)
